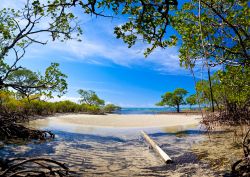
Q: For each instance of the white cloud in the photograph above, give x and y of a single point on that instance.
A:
(16, 4)
(89, 51)
(94, 51)
(100, 47)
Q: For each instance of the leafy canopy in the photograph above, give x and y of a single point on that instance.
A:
(231, 88)
(147, 20)
(223, 29)
(192, 100)
(173, 99)
(89, 97)
(110, 108)
(29, 83)
(21, 28)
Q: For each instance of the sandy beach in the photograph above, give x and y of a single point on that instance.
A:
(126, 121)
(112, 145)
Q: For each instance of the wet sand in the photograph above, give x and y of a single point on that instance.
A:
(123, 121)
(102, 153)
(112, 145)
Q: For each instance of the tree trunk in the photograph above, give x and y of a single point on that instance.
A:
(1, 84)
(178, 108)
(210, 87)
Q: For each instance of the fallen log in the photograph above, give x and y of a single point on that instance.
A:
(157, 149)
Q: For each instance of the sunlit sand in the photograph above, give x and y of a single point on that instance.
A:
(123, 121)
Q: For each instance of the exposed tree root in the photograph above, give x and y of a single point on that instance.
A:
(225, 118)
(37, 167)
(14, 130)
(242, 166)
(11, 129)
(212, 120)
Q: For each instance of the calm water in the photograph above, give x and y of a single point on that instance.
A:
(155, 110)
(144, 110)
(94, 151)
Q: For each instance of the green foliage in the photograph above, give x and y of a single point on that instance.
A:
(192, 100)
(18, 30)
(235, 82)
(22, 76)
(110, 108)
(29, 83)
(11, 104)
(225, 32)
(92, 109)
(173, 99)
(89, 97)
(202, 89)
(53, 81)
(147, 20)
(231, 88)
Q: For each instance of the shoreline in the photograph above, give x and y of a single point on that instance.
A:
(119, 120)
(35, 117)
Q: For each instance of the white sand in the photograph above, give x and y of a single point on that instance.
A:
(115, 120)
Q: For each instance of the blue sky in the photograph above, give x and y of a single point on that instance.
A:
(104, 64)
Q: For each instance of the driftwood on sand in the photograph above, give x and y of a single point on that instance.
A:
(156, 148)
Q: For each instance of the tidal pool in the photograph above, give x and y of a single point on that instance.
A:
(100, 151)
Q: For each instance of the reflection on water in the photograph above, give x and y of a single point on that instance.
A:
(116, 152)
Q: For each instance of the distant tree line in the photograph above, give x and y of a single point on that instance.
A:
(12, 105)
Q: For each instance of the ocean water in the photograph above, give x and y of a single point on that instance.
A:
(144, 110)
